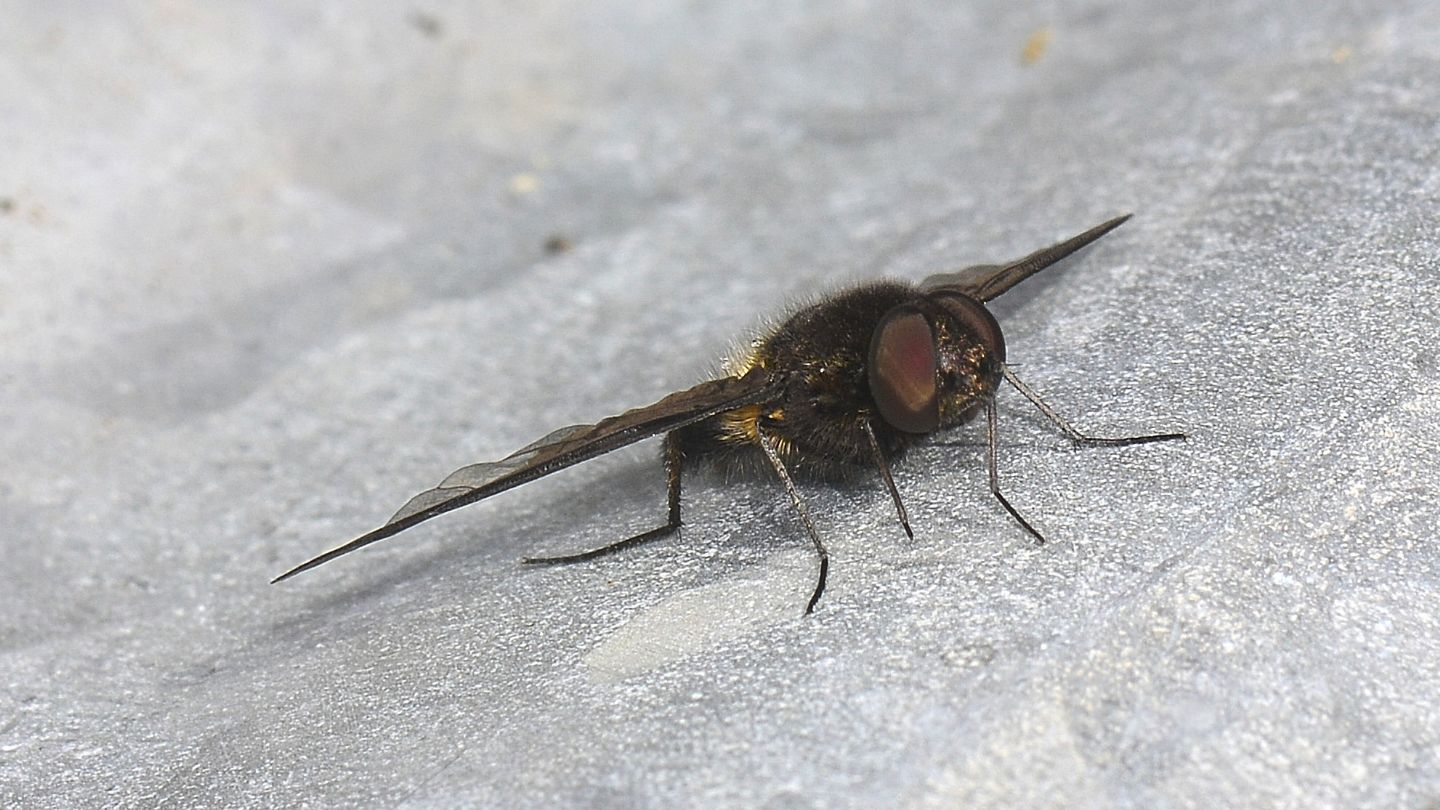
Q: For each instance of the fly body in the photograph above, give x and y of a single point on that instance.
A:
(846, 383)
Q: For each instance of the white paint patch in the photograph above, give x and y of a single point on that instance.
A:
(699, 619)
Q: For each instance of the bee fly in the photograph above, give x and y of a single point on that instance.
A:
(850, 381)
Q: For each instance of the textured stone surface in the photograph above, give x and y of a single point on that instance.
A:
(264, 273)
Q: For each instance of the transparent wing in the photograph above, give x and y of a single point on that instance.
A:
(474, 476)
(561, 449)
(987, 281)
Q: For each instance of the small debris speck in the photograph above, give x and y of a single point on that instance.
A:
(524, 183)
(557, 244)
(1036, 45)
(427, 24)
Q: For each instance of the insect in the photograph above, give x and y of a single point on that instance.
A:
(848, 382)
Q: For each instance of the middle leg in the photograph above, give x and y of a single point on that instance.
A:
(767, 443)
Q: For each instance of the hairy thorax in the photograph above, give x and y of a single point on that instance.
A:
(818, 424)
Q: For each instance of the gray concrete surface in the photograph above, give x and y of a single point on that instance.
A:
(266, 272)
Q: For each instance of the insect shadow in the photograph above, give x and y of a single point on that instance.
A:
(850, 381)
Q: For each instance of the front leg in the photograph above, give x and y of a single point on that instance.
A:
(884, 466)
(1074, 435)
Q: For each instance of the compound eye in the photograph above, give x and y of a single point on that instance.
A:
(902, 371)
(975, 321)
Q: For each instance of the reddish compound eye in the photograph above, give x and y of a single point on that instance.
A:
(902, 371)
(975, 322)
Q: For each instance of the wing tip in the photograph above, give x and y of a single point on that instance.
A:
(1115, 222)
(299, 569)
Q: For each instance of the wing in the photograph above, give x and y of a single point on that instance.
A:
(561, 449)
(987, 281)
